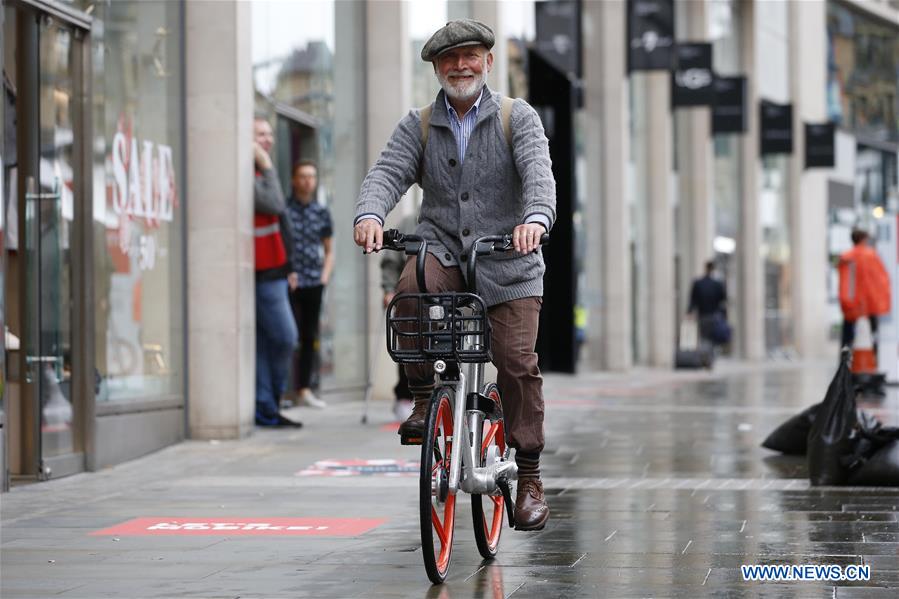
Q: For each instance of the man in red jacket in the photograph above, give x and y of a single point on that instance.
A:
(276, 331)
(864, 286)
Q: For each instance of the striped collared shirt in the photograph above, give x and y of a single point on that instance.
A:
(462, 127)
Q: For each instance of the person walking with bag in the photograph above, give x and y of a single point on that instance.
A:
(708, 300)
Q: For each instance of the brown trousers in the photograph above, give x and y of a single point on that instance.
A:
(514, 335)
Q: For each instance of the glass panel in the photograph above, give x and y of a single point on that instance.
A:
(138, 212)
(49, 212)
(520, 26)
(4, 194)
(301, 66)
(862, 82)
(775, 251)
(725, 22)
(424, 19)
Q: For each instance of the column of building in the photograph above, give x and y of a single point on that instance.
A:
(220, 268)
(657, 162)
(388, 98)
(606, 211)
(750, 332)
(694, 147)
(807, 193)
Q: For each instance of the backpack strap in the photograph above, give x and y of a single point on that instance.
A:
(425, 113)
(505, 107)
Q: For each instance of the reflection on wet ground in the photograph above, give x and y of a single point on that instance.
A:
(657, 485)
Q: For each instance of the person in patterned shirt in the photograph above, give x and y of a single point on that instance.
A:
(313, 261)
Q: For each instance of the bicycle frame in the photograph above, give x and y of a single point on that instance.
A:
(466, 378)
(464, 475)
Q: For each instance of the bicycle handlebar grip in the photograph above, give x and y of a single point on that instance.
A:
(488, 245)
(392, 238)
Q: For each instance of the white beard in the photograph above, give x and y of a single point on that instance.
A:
(462, 91)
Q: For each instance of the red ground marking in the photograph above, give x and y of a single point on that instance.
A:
(242, 527)
(390, 427)
(375, 467)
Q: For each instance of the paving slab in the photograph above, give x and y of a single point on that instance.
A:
(656, 482)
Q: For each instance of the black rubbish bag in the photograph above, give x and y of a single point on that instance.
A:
(881, 469)
(833, 437)
(791, 437)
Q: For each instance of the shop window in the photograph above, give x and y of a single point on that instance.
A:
(138, 199)
(310, 82)
(863, 82)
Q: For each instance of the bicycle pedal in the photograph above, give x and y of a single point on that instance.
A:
(410, 439)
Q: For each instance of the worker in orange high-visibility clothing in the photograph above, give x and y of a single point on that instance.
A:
(864, 287)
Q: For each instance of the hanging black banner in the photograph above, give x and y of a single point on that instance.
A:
(775, 128)
(692, 82)
(820, 145)
(559, 34)
(650, 35)
(729, 109)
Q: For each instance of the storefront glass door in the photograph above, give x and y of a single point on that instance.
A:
(50, 126)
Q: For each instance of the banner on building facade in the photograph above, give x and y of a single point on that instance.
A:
(820, 141)
(650, 35)
(729, 110)
(775, 128)
(692, 81)
(559, 35)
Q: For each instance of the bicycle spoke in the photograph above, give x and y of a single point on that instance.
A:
(438, 457)
(441, 533)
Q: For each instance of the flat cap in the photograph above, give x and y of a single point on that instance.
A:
(463, 32)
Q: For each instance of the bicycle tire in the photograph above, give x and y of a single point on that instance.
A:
(435, 460)
(488, 526)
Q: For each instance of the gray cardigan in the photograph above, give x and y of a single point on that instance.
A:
(495, 189)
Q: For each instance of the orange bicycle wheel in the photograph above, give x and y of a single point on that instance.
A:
(488, 511)
(437, 504)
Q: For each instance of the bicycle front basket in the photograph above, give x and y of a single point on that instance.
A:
(423, 327)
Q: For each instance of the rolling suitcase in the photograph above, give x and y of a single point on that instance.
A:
(691, 354)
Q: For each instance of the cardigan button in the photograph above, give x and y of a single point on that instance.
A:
(447, 256)
(464, 196)
(452, 162)
(465, 232)
(464, 257)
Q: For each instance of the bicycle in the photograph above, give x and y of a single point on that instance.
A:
(452, 330)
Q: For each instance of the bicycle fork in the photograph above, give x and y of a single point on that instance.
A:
(492, 478)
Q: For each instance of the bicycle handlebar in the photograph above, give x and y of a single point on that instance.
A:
(413, 245)
(484, 246)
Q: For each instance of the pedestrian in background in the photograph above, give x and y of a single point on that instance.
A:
(276, 333)
(864, 286)
(392, 264)
(313, 261)
(708, 300)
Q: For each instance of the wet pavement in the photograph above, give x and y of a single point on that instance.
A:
(656, 481)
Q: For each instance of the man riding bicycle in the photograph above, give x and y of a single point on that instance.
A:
(483, 163)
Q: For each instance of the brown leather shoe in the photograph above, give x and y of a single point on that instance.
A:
(412, 430)
(531, 511)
